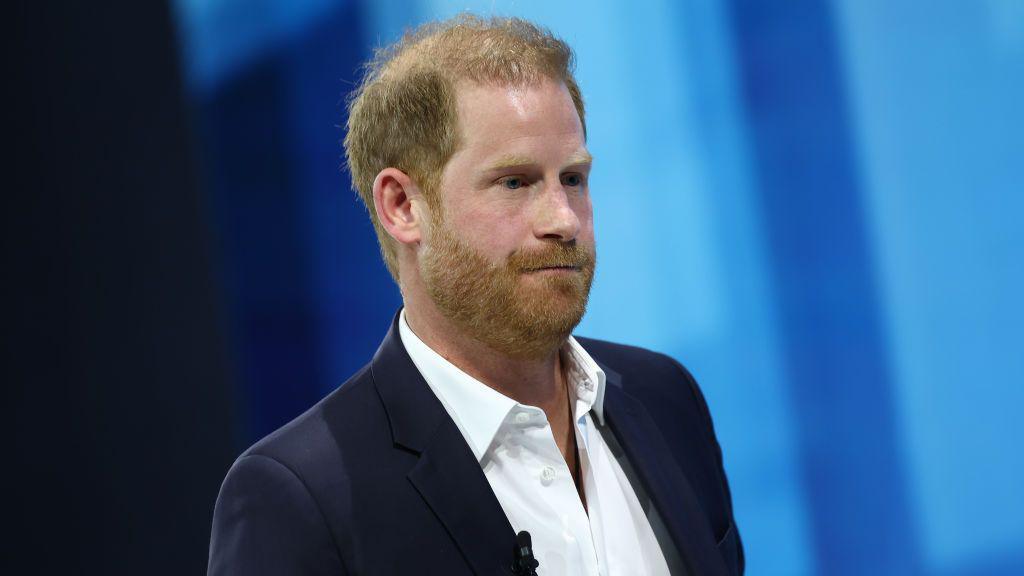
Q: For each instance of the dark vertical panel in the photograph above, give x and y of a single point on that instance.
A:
(120, 407)
(265, 262)
(828, 306)
(309, 297)
(356, 295)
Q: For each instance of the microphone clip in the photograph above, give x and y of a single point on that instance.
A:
(524, 564)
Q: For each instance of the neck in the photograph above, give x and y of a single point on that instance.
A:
(532, 381)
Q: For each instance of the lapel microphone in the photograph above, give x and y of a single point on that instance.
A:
(524, 564)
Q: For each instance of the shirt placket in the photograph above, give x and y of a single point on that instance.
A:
(559, 493)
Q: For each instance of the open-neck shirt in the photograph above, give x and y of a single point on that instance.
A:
(513, 443)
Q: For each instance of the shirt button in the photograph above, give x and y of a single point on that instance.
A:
(522, 418)
(547, 475)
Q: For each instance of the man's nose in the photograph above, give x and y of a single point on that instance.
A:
(556, 216)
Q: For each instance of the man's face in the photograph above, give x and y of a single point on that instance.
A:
(510, 255)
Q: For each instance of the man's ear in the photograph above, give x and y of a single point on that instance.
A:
(396, 199)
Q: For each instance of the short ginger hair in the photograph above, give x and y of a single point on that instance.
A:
(403, 114)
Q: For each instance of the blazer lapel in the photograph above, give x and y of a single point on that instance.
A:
(666, 484)
(451, 482)
(447, 474)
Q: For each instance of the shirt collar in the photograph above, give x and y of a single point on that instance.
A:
(584, 373)
(477, 409)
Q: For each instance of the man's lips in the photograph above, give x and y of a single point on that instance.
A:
(555, 268)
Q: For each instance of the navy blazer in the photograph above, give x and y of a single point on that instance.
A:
(377, 479)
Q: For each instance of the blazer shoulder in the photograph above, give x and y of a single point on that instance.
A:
(308, 441)
(655, 367)
(283, 505)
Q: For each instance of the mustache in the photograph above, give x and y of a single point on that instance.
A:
(561, 255)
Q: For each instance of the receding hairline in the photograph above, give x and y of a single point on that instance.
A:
(442, 47)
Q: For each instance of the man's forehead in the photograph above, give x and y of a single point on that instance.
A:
(520, 125)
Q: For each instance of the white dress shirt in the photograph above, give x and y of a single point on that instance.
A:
(529, 476)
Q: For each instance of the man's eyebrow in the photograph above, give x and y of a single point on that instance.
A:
(517, 160)
(510, 161)
(581, 157)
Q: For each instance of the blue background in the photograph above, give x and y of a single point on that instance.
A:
(814, 205)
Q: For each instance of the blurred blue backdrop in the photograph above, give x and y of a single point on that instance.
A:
(813, 205)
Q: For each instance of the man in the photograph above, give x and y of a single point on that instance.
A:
(480, 416)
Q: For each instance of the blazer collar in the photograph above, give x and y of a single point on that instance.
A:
(447, 475)
(666, 484)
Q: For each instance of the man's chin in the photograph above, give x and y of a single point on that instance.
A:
(535, 324)
(555, 314)
(555, 300)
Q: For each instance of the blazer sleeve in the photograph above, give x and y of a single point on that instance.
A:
(732, 541)
(266, 522)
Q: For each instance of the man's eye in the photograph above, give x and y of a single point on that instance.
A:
(572, 180)
(512, 183)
